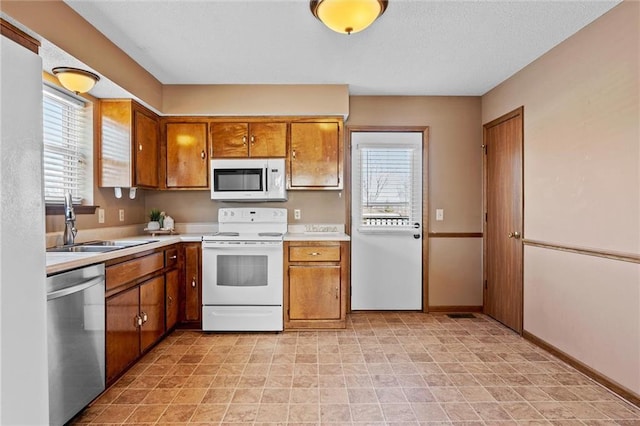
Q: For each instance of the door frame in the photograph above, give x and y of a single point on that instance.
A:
(516, 112)
(425, 196)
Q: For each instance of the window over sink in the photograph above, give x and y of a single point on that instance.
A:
(68, 147)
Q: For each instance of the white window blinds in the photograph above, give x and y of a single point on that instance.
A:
(390, 187)
(68, 146)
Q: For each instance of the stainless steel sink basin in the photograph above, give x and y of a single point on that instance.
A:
(120, 243)
(99, 246)
(83, 249)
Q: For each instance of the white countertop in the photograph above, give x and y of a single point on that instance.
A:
(60, 262)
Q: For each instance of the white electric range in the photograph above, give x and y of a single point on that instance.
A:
(242, 276)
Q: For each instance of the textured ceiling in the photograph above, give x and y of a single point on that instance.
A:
(415, 48)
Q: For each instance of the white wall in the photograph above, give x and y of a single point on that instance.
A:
(23, 338)
(582, 189)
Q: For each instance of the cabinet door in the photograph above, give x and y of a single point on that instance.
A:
(192, 277)
(172, 282)
(146, 150)
(229, 140)
(314, 292)
(116, 163)
(187, 165)
(151, 311)
(315, 156)
(268, 140)
(122, 332)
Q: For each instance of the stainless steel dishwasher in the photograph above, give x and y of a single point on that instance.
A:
(76, 340)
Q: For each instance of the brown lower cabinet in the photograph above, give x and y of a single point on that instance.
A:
(191, 291)
(141, 305)
(315, 284)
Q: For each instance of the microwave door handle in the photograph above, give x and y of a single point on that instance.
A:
(266, 179)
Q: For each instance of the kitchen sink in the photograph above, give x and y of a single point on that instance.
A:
(83, 249)
(101, 246)
(120, 243)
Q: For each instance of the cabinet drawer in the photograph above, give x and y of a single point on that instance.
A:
(171, 257)
(314, 254)
(125, 272)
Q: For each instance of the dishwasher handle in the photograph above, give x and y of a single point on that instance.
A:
(82, 285)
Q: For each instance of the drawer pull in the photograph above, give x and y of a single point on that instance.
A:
(315, 253)
(175, 256)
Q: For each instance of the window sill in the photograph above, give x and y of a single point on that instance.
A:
(53, 209)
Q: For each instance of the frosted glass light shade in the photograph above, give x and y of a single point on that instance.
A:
(348, 16)
(76, 80)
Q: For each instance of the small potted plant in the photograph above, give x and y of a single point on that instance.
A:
(154, 217)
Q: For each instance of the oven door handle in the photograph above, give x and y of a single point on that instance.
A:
(243, 246)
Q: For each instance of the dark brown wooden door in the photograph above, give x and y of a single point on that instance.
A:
(192, 288)
(503, 228)
(173, 289)
(152, 311)
(146, 150)
(187, 165)
(123, 336)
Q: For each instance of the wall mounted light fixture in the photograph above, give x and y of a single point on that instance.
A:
(348, 16)
(75, 79)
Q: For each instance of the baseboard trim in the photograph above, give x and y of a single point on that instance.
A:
(585, 369)
(454, 308)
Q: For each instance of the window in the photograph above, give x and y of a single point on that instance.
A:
(68, 147)
(390, 186)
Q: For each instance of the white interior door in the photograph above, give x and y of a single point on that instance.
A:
(386, 227)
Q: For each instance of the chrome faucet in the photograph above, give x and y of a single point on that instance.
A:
(70, 230)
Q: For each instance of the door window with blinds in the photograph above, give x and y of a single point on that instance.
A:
(390, 187)
(68, 147)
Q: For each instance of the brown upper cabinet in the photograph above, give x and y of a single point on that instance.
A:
(242, 139)
(187, 163)
(129, 145)
(315, 157)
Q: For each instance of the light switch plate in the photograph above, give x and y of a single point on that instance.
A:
(439, 214)
(121, 215)
(100, 215)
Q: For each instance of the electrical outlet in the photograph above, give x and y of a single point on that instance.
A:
(121, 215)
(439, 214)
(100, 215)
(296, 214)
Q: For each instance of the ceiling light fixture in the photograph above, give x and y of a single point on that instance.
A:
(75, 79)
(348, 16)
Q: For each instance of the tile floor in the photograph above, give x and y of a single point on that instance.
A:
(385, 368)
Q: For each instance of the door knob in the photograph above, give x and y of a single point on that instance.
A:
(515, 235)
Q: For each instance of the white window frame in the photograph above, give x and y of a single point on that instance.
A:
(68, 147)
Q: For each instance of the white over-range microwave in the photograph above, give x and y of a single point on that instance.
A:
(248, 179)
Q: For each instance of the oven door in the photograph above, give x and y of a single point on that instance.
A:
(242, 273)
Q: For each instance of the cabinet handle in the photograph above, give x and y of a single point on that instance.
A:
(140, 147)
(253, 139)
(170, 300)
(203, 155)
(173, 257)
(145, 317)
(293, 154)
(137, 321)
(244, 140)
(337, 293)
(315, 253)
(193, 282)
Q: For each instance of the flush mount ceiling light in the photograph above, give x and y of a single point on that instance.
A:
(348, 16)
(75, 79)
